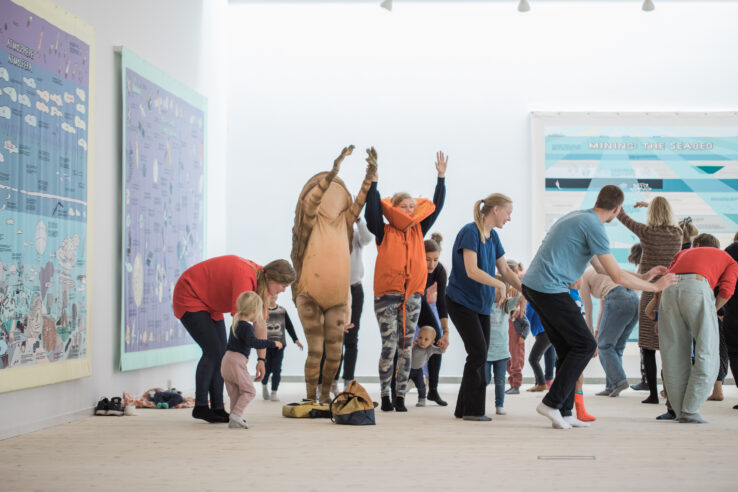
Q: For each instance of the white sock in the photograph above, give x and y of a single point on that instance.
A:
(575, 422)
(553, 415)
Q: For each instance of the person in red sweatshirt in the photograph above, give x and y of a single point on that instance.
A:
(202, 294)
(688, 311)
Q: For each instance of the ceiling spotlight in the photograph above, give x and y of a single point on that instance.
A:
(386, 4)
(648, 6)
(523, 6)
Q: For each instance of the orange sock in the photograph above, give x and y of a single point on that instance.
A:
(581, 411)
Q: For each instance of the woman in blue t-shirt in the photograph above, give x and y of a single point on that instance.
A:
(471, 292)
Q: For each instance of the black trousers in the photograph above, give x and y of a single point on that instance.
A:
(540, 347)
(210, 335)
(724, 358)
(351, 339)
(730, 329)
(474, 330)
(565, 326)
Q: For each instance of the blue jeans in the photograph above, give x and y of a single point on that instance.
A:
(619, 316)
(498, 367)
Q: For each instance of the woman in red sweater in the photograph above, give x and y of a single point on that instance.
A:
(202, 294)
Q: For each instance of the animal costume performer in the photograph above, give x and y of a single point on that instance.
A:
(321, 248)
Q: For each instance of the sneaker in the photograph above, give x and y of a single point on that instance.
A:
(500, 411)
(478, 418)
(102, 407)
(622, 385)
(514, 390)
(642, 386)
(273, 396)
(604, 392)
(265, 392)
(115, 407)
(421, 402)
(236, 422)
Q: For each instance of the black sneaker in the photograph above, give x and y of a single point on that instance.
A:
(102, 407)
(115, 407)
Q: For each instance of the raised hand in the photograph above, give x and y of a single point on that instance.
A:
(346, 151)
(640, 205)
(441, 164)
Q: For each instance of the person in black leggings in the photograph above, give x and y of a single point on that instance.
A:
(436, 276)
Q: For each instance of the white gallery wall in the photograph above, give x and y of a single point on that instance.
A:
(184, 39)
(308, 78)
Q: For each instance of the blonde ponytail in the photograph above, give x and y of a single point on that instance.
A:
(484, 207)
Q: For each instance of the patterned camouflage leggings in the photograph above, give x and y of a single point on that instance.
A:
(388, 309)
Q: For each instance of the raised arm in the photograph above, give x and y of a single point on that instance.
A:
(373, 210)
(313, 199)
(439, 196)
(636, 227)
(371, 170)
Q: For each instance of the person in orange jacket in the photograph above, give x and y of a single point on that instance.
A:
(400, 274)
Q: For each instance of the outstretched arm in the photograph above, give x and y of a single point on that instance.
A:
(371, 171)
(630, 281)
(439, 197)
(316, 195)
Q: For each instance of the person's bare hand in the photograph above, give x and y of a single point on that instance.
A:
(278, 344)
(640, 205)
(666, 281)
(655, 272)
(299, 345)
(260, 371)
(500, 295)
(441, 164)
(443, 342)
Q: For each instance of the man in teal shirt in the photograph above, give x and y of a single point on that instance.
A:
(570, 245)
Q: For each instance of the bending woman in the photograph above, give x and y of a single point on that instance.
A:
(202, 294)
(471, 292)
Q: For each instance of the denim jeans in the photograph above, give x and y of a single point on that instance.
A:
(619, 316)
(497, 367)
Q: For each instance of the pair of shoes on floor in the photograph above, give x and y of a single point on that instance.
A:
(435, 397)
(514, 390)
(203, 412)
(536, 387)
(113, 406)
(642, 386)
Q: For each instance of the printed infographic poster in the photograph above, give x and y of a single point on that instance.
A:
(691, 159)
(164, 138)
(45, 148)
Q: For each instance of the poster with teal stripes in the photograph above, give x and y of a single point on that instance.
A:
(691, 159)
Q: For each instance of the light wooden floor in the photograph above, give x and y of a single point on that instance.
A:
(425, 449)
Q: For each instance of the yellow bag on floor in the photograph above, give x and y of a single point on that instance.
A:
(306, 409)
